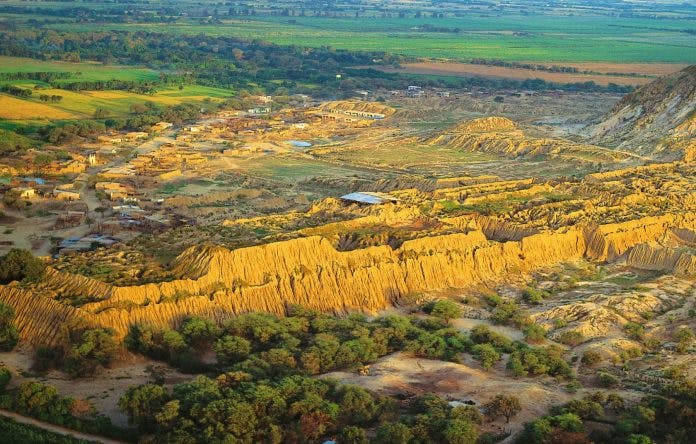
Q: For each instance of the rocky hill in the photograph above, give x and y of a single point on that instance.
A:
(501, 136)
(657, 119)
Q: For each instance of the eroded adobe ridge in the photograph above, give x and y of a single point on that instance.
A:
(309, 271)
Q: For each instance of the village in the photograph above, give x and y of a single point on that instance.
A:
(278, 155)
(102, 192)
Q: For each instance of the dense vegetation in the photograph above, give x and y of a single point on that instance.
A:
(18, 265)
(43, 402)
(79, 350)
(666, 417)
(309, 343)
(14, 432)
(235, 407)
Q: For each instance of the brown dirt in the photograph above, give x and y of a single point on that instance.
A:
(467, 69)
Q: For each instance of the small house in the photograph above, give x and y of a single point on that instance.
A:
(24, 192)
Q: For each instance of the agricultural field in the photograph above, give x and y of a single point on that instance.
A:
(519, 38)
(86, 71)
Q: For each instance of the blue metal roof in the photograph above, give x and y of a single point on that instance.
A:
(368, 198)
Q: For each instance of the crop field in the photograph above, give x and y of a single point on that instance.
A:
(12, 108)
(469, 69)
(82, 71)
(83, 104)
(536, 38)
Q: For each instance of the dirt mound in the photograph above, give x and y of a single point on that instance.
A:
(360, 106)
(648, 114)
(502, 136)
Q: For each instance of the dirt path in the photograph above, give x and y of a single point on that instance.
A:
(56, 429)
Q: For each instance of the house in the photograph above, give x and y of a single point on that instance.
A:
(259, 110)
(110, 139)
(33, 180)
(135, 135)
(368, 198)
(24, 192)
(66, 195)
(161, 126)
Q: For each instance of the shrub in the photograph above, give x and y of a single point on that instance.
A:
(534, 333)
(571, 338)
(591, 357)
(534, 295)
(634, 330)
(607, 379)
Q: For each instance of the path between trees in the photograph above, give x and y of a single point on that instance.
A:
(57, 429)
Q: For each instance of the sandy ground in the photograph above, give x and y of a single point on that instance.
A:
(402, 375)
(103, 390)
(467, 69)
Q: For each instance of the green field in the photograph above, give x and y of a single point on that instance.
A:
(83, 104)
(85, 71)
(524, 38)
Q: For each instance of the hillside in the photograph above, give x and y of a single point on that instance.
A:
(642, 120)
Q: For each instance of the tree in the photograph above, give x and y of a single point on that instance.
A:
(84, 350)
(503, 405)
(199, 332)
(141, 404)
(460, 431)
(42, 401)
(446, 310)
(230, 349)
(353, 435)
(5, 376)
(8, 332)
(393, 433)
(19, 265)
(357, 405)
(486, 354)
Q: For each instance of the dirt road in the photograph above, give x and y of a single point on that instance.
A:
(56, 429)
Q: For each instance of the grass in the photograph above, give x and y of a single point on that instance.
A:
(13, 108)
(89, 71)
(83, 104)
(541, 38)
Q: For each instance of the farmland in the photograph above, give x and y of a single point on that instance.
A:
(537, 38)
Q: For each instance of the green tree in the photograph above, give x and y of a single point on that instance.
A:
(446, 310)
(393, 433)
(503, 405)
(8, 332)
(230, 349)
(353, 435)
(84, 350)
(460, 431)
(5, 376)
(142, 404)
(486, 354)
(200, 333)
(19, 265)
(43, 402)
(357, 405)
